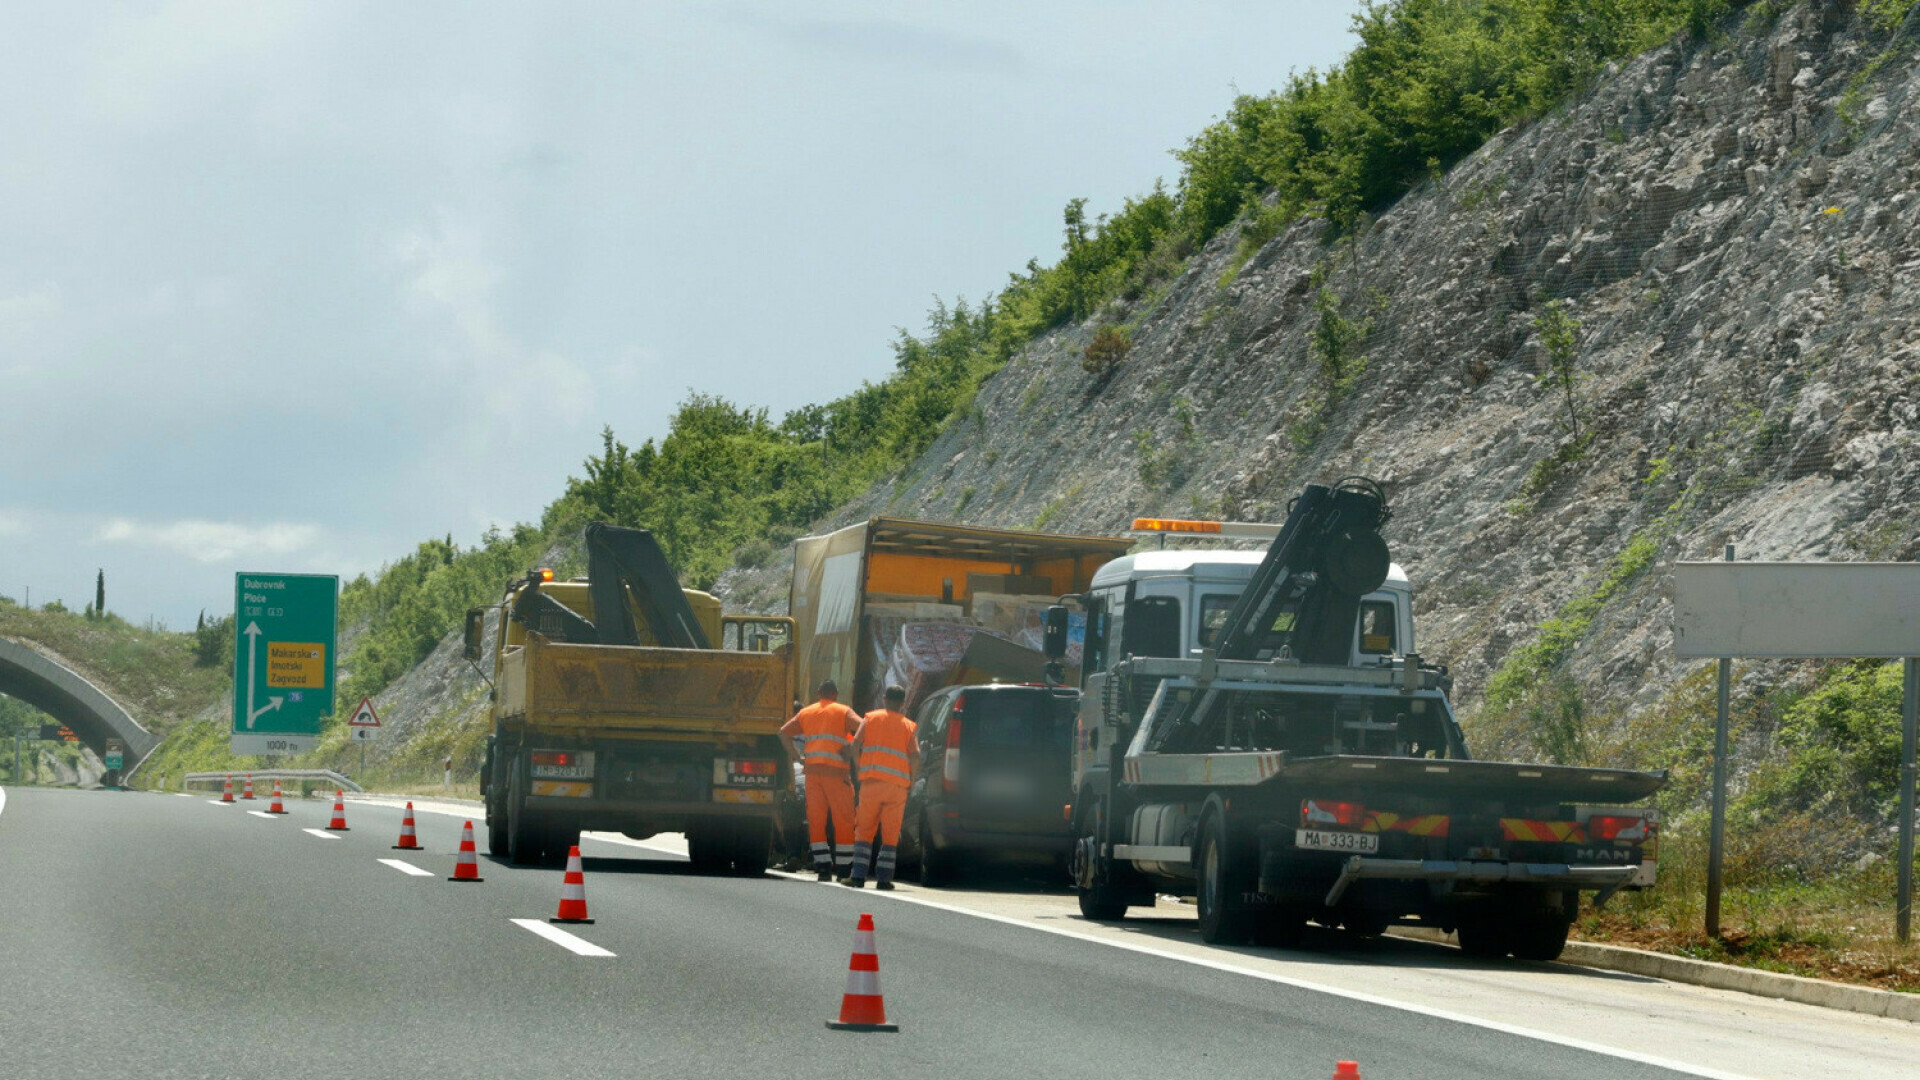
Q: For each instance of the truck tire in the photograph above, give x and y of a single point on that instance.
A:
(1222, 881)
(753, 847)
(1539, 937)
(1099, 900)
(1484, 937)
(497, 832)
(525, 840)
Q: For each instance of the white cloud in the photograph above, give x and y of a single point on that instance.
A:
(212, 541)
(12, 523)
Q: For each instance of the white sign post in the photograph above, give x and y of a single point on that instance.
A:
(1803, 610)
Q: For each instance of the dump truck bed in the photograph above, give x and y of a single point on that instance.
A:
(615, 690)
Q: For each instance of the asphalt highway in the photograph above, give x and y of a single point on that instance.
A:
(165, 936)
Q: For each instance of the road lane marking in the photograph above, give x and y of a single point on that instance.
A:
(182, 794)
(406, 867)
(3, 800)
(1321, 988)
(321, 833)
(261, 813)
(217, 802)
(560, 937)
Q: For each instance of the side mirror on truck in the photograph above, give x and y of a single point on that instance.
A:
(476, 633)
(1054, 632)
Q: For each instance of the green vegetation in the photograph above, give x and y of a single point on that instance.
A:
(150, 672)
(1103, 354)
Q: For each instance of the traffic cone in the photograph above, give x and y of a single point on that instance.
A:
(861, 1007)
(248, 794)
(468, 868)
(226, 794)
(408, 842)
(573, 891)
(1346, 1070)
(339, 822)
(276, 808)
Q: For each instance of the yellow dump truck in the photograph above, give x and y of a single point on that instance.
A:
(622, 702)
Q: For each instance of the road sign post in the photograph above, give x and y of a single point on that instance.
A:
(283, 661)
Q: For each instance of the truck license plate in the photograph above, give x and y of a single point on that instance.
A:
(1321, 840)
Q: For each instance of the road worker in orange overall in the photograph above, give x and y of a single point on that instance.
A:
(885, 752)
(820, 739)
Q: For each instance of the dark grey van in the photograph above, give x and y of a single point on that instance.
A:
(995, 775)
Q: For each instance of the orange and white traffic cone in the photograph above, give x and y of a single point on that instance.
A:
(468, 868)
(573, 891)
(226, 793)
(339, 822)
(1346, 1070)
(408, 841)
(276, 808)
(248, 793)
(861, 1007)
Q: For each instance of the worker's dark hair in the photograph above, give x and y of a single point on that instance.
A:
(897, 693)
(829, 688)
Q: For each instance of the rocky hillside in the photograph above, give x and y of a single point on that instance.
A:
(1680, 312)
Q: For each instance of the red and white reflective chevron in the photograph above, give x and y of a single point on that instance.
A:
(573, 891)
(249, 792)
(468, 868)
(276, 808)
(226, 794)
(408, 841)
(339, 822)
(861, 1007)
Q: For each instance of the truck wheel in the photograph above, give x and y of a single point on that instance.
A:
(525, 842)
(753, 847)
(1099, 900)
(1539, 937)
(1484, 937)
(708, 849)
(1224, 917)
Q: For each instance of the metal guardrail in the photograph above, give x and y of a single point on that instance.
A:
(333, 779)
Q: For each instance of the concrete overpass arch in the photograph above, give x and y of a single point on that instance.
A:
(33, 676)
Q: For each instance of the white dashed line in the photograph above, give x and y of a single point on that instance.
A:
(406, 867)
(217, 802)
(262, 813)
(322, 834)
(560, 937)
(182, 794)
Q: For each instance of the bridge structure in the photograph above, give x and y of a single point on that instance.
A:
(34, 676)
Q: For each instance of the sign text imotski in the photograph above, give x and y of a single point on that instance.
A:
(283, 660)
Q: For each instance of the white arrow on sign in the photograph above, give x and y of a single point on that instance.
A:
(253, 633)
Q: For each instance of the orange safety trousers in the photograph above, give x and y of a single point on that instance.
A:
(882, 806)
(830, 796)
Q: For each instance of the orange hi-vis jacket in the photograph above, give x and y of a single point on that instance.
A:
(887, 749)
(824, 730)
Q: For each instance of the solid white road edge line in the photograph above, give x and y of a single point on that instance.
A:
(321, 833)
(261, 814)
(405, 867)
(560, 937)
(3, 800)
(1322, 988)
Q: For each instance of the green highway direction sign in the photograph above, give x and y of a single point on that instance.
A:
(282, 660)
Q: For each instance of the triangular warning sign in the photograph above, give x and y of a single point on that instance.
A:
(364, 716)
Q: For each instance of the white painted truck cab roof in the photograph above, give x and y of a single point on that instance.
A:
(1235, 566)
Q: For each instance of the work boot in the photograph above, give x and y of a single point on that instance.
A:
(883, 886)
(853, 882)
(824, 875)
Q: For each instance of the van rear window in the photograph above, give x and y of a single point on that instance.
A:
(1016, 719)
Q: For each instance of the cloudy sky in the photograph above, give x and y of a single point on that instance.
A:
(292, 287)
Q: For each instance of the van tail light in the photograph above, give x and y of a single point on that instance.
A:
(1630, 827)
(1325, 813)
(950, 771)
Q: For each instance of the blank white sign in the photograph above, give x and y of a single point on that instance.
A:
(1792, 610)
